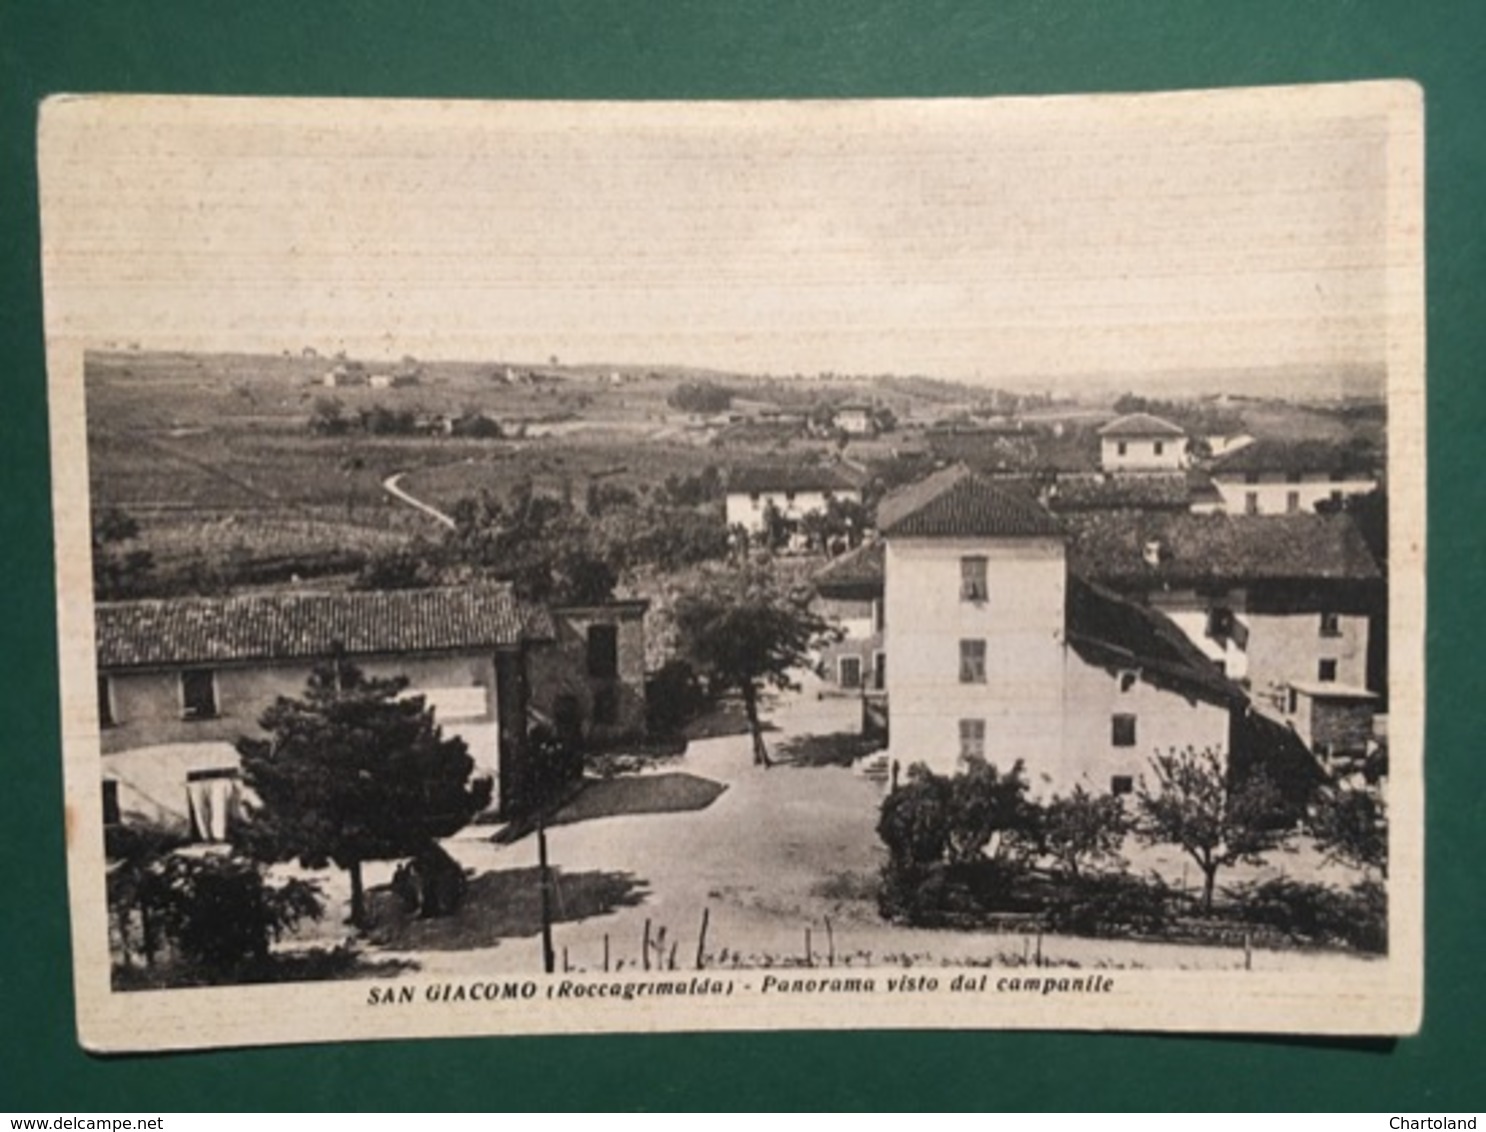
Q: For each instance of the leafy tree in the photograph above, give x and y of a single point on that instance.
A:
(1216, 821)
(776, 528)
(1081, 829)
(329, 417)
(746, 634)
(120, 571)
(700, 397)
(354, 771)
(1350, 824)
(914, 820)
(985, 806)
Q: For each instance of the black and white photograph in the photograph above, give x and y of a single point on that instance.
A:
(550, 567)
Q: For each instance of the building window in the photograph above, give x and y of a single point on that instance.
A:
(1122, 731)
(106, 716)
(879, 615)
(1159, 447)
(972, 662)
(789, 497)
(1122, 784)
(1336, 498)
(199, 693)
(1331, 625)
(879, 671)
(849, 669)
(972, 738)
(1219, 623)
(111, 801)
(606, 706)
(603, 651)
(1292, 701)
(1292, 502)
(1121, 447)
(1251, 503)
(1326, 672)
(973, 584)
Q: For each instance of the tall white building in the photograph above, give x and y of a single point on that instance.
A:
(994, 651)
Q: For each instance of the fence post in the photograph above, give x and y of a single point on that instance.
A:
(702, 939)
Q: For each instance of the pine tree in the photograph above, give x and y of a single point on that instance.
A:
(354, 771)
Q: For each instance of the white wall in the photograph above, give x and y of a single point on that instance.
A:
(748, 510)
(1272, 492)
(1140, 454)
(1164, 721)
(1022, 622)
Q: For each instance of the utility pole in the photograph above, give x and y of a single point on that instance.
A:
(548, 959)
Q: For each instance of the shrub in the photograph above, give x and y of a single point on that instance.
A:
(1319, 913)
(1110, 904)
(220, 912)
(673, 697)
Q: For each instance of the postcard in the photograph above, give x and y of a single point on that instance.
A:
(557, 567)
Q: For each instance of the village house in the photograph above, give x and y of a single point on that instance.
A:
(1283, 477)
(181, 680)
(1140, 442)
(849, 594)
(855, 418)
(1334, 721)
(1276, 602)
(792, 491)
(996, 652)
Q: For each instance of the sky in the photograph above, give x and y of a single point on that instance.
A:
(979, 240)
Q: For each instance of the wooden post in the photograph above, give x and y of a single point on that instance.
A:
(1039, 944)
(702, 939)
(809, 957)
(645, 946)
(565, 967)
(1248, 951)
(548, 959)
(830, 944)
(671, 962)
(606, 951)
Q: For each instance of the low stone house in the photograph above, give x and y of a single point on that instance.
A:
(181, 680)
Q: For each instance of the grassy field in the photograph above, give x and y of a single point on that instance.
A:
(214, 457)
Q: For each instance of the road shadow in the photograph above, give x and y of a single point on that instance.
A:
(502, 904)
(838, 749)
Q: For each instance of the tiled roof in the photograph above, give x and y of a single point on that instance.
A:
(302, 626)
(1141, 424)
(958, 503)
(1111, 546)
(862, 569)
(787, 477)
(1113, 633)
(1269, 455)
(1162, 491)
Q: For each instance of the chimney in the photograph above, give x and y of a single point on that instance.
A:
(1151, 552)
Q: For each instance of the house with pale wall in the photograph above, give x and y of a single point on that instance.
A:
(181, 680)
(1277, 602)
(793, 491)
(996, 652)
(855, 419)
(849, 594)
(1141, 442)
(1287, 477)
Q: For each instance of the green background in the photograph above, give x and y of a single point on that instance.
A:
(754, 49)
